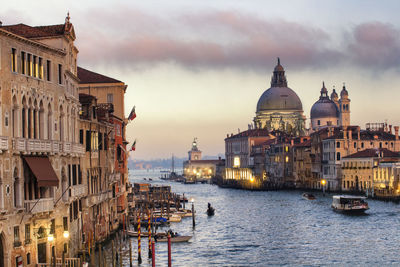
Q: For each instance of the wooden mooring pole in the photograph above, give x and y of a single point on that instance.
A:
(169, 250)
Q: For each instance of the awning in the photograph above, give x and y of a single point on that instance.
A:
(43, 171)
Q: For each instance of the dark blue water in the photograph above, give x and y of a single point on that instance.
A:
(276, 228)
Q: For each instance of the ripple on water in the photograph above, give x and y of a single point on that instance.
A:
(279, 228)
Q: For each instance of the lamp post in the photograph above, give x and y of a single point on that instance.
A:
(323, 183)
(193, 220)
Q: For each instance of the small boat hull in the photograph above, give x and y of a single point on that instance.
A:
(176, 239)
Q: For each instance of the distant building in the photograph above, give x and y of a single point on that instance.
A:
(374, 171)
(238, 148)
(279, 107)
(198, 169)
(330, 112)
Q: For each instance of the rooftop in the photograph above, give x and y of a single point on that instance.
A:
(87, 76)
(36, 31)
(374, 153)
(251, 133)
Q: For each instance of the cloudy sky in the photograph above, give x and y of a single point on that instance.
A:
(197, 68)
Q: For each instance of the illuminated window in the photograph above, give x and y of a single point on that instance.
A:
(287, 158)
(13, 59)
(236, 162)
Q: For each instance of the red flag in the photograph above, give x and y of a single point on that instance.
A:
(132, 115)
(133, 146)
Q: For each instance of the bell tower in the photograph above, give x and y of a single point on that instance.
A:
(344, 103)
(194, 153)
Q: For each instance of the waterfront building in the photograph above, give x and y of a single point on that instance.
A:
(279, 107)
(373, 171)
(302, 162)
(98, 207)
(196, 168)
(331, 144)
(110, 92)
(40, 159)
(238, 161)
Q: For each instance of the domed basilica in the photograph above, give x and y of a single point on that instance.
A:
(331, 112)
(279, 107)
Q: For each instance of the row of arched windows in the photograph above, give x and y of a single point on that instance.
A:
(35, 120)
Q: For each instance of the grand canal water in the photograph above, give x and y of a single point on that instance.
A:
(276, 228)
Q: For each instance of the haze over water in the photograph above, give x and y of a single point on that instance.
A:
(275, 228)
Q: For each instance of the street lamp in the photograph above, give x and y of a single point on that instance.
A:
(323, 183)
(66, 234)
(193, 220)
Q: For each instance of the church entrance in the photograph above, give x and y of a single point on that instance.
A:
(2, 246)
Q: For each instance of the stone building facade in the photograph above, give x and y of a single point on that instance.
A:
(39, 120)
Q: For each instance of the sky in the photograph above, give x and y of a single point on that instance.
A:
(198, 68)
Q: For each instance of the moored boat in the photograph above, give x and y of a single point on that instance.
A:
(145, 234)
(175, 239)
(349, 204)
(308, 196)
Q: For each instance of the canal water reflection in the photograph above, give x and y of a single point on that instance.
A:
(274, 228)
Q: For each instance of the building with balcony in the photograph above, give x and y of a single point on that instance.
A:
(40, 153)
(109, 91)
(96, 135)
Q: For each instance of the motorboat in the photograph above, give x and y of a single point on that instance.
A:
(175, 218)
(308, 196)
(349, 204)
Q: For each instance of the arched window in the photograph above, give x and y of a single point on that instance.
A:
(41, 120)
(23, 118)
(338, 156)
(29, 119)
(61, 124)
(14, 117)
(49, 123)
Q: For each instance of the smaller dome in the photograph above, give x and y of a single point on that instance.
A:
(344, 92)
(334, 95)
(324, 108)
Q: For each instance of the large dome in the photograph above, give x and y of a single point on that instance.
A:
(324, 108)
(279, 98)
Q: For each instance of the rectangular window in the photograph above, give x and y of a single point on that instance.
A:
(29, 67)
(48, 67)
(74, 176)
(35, 67)
(81, 136)
(40, 68)
(59, 74)
(105, 142)
(88, 140)
(100, 141)
(65, 223)
(16, 233)
(79, 174)
(110, 98)
(14, 59)
(70, 212)
(23, 63)
(27, 233)
(53, 226)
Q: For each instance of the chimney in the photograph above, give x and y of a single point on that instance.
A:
(292, 142)
(344, 133)
(358, 133)
(227, 135)
(390, 129)
(396, 132)
(350, 134)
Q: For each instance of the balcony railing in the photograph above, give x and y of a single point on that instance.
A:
(3, 143)
(41, 146)
(39, 205)
(78, 190)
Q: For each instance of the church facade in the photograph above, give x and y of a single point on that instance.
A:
(279, 107)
